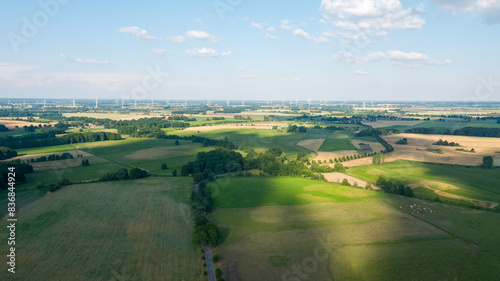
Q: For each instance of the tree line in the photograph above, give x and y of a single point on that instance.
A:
(466, 131)
(46, 140)
(6, 153)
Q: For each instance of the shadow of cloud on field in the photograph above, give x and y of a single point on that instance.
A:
(380, 239)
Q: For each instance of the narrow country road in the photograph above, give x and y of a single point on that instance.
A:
(210, 264)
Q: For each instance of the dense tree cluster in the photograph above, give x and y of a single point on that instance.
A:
(296, 129)
(218, 161)
(52, 157)
(402, 141)
(390, 187)
(124, 174)
(487, 162)
(3, 128)
(446, 143)
(6, 153)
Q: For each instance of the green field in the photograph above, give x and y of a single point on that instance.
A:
(471, 182)
(235, 192)
(378, 239)
(45, 149)
(336, 145)
(130, 230)
(147, 154)
(260, 139)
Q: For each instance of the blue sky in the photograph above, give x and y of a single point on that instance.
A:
(241, 49)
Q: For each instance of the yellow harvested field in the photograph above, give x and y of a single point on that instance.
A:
(311, 144)
(482, 146)
(259, 126)
(440, 189)
(11, 124)
(339, 177)
(60, 164)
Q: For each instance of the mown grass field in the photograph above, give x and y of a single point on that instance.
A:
(471, 182)
(336, 145)
(236, 192)
(45, 149)
(385, 238)
(130, 230)
(148, 154)
(261, 139)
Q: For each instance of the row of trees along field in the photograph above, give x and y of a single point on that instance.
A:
(273, 162)
(466, 131)
(376, 134)
(49, 139)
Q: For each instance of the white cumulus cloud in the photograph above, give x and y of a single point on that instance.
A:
(202, 35)
(138, 33)
(301, 33)
(488, 9)
(84, 61)
(371, 15)
(203, 52)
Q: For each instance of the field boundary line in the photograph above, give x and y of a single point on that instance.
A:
(109, 159)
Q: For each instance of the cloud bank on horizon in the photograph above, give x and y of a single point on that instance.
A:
(333, 49)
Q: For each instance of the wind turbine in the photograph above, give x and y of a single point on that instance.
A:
(44, 101)
(243, 102)
(122, 103)
(74, 104)
(96, 104)
(227, 103)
